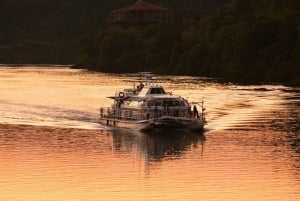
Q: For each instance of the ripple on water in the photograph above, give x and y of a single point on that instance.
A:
(249, 150)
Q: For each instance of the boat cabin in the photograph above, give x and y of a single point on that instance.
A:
(157, 102)
(151, 90)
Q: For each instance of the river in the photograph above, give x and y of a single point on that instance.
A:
(51, 147)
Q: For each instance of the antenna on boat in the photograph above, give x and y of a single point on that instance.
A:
(146, 77)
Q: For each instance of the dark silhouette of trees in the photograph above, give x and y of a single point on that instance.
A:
(243, 41)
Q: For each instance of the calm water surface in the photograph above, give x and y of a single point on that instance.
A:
(51, 147)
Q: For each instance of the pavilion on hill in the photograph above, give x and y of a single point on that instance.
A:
(140, 13)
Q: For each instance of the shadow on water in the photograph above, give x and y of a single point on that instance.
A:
(156, 146)
(51, 140)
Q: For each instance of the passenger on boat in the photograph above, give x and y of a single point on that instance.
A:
(196, 113)
(155, 112)
(148, 113)
(140, 87)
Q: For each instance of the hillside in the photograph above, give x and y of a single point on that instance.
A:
(48, 31)
(247, 41)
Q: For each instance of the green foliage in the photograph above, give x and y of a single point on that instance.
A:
(247, 41)
(64, 23)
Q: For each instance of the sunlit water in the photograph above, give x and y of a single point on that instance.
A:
(51, 147)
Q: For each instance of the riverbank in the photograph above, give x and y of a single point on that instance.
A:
(248, 43)
(290, 83)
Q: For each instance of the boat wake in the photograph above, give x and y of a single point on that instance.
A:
(41, 115)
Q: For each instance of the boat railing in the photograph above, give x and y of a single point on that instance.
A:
(109, 113)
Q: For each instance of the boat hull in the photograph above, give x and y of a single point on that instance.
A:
(162, 123)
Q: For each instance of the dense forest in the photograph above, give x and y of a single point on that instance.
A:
(50, 31)
(240, 41)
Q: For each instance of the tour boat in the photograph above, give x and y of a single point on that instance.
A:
(149, 107)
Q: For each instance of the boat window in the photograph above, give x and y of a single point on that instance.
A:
(153, 91)
(181, 103)
(175, 104)
(158, 103)
(166, 103)
(171, 103)
(162, 91)
(150, 103)
(186, 103)
(133, 103)
(157, 91)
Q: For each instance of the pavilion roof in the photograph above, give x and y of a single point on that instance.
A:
(141, 5)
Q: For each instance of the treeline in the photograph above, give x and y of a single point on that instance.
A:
(246, 41)
(49, 31)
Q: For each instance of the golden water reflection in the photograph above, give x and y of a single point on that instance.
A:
(249, 150)
(44, 163)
